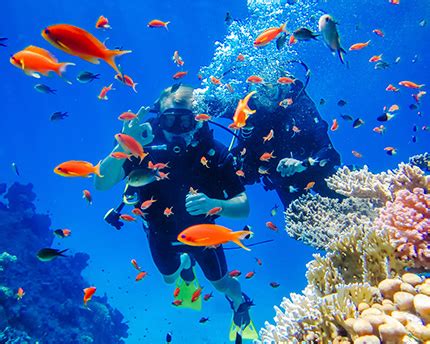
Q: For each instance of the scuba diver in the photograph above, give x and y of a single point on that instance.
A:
(195, 175)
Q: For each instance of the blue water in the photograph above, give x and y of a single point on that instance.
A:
(37, 145)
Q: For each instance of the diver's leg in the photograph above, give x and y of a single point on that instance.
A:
(185, 264)
(231, 288)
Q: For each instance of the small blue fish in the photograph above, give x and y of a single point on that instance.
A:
(2, 40)
(15, 169)
(168, 337)
(59, 115)
(86, 77)
(44, 89)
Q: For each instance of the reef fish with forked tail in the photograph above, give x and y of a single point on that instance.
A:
(328, 29)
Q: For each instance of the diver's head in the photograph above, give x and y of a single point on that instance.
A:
(175, 113)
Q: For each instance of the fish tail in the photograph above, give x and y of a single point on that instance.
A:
(61, 252)
(97, 169)
(341, 53)
(420, 86)
(110, 58)
(134, 87)
(165, 25)
(284, 27)
(62, 67)
(239, 235)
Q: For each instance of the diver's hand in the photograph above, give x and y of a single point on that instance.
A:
(289, 166)
(199, 203)
(141, 132)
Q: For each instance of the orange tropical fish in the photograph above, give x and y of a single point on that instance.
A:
(78, 42)
(309, 186)
(269, 35)
(104, 92)
(292, 40)
(213, 211)
(410, 84)
(272, 226)
(393, 108)
(267, 156)
(121, 155)
(240, 57)
(176, 292)
(379, 32)
(146, 204)
(250, 274)
(141, 275)
(334, 125)
(130, 144)
(162, 175)
(62, 233)
(357, 154)
(269, 136)
(168, 212)
(375, 58)
(135, 265)
(215, 81)
(235, 273)
(127, 218)
(77, 168)
(202, 117)
(296, 129)
(103, 23)
(209, 234)
(394, 2)
(379, 130)
(20, 293)
(86, 194)
(285, 80)
(359, 46)
(127, 116)
(177, 59)
(35, 61)
(204, 161)
(155, 23)
(240, 173)
(242, 112)
(179, 75)
(177, 303)
(125, 79)
(390, 87)
(390, 150)
(196, 295)
(255, 79)
(158, 165)
(138, 212)
(199, 76)
(88, 294)
(207, 297)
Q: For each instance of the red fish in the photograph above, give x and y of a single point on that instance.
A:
(141, 275)
(215, 81)
(77, 168)
(213, 211)
(242, 112)
(379, 32)
(103, 23)
(87, 196)
(196, 295)
(410, 84)
(240, 57)
(146, 204)
(390, 87)
(285, 80)
(258, 260)
(78, 42)
(272, 226)
(176, 292)
(255, 79)
(207, 297)
(234, 273)
(357, 154)
(179, 75)
(240, 173)
(177, 303)
(121, 155)
(155, 23)
(104, 92)
(267, 156)
(269, 35)
(127, 116)
(138, 212)
(127, 80)
(135, 265)
(127, 218)
(202, 117)
(250, 274)
(177, 59)
(130, 144)
(335, 125)
(168, 212)
(88, 294)
(309, 186)
(359, 46)
(20, 293)
(375, 58)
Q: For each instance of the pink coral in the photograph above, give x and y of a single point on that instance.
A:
(408, 222)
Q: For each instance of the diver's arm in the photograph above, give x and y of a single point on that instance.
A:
(111, 170)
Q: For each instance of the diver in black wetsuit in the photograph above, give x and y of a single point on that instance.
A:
(178, 139)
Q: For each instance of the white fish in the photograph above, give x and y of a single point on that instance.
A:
(328, 29)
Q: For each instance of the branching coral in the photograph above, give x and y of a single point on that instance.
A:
(407, 220)
(382, 186)
(421, 160)
(317, 220)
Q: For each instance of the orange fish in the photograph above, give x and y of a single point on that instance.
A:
(204, 161)
(179, 75)
(334, 125)
(309, 186)
(375, 58)
(196, 295)
(121, 155)
(158, 165)
(177, 59)
(213, 211)
(272, 226)
(285, 80)
(193, 191)
(359, 46)
(104, 92)
(127, 116)
(296, 129)
(242, 112)
(158, 23)
(86, 194)
(250, 274)
(77, 168)
(410, 84)
(168, 212)
(136, 266)
(176, 292)
(357, 154)
(390, 87)
(209, 234)
(202, 117)
(269, 136)
(240, 57)
(138, 212)
(379, 130)
(62, 233)
(127, 218)
(146, 204)
(125, 79)
(215, 81)
(240, 173)
(390, 150)
(88, 294)
(394, 2)
(141, 275)
(378, 32)
(234, 273)
(292, 40)
(393, 108)
(34, 60)
(267, 156)
(199, 76)
(207, 297)
(269, 35)
(177, 303)
(78, 42)
(131, 145)
(255, 79)
(162, 175)
(103, 23)
(20, 293)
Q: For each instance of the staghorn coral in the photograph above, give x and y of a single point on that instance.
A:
(317, 220)
(407, 220)
(379, 187)
(421, 160)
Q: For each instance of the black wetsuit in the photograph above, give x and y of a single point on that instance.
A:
(218, 181)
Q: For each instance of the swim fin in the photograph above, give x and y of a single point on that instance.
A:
(249, 332)
(186, 291)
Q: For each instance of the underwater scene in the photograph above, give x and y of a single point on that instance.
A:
(212, 172)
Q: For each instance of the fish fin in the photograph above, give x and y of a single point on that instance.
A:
(61, 252)
(165, 25)
(340, 52)
(33, 74)
(90, 59)
(63, 47)
(110, 57)
(42, 52)
(97, 170)
(237, 236)
(134, 87)
(284, 27)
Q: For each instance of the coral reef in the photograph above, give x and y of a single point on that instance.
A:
(51, 310)
(383, 186)
(421, 160)
(317, 220)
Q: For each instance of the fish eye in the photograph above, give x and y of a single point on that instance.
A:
(47, 32)
(326, 19)
(183, 236)
(59, 169)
